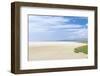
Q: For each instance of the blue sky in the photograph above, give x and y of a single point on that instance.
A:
(57, 28)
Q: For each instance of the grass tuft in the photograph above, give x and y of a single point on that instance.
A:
(83, 49)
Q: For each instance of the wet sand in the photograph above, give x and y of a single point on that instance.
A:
(55, 51)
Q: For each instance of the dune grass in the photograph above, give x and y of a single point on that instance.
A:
(83, 49)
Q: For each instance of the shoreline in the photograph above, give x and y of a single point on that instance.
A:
(55, 43)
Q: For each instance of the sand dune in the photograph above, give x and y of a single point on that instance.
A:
(54, 51)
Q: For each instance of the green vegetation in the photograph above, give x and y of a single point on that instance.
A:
(83, 49)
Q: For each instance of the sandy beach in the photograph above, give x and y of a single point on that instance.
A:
(54, 51)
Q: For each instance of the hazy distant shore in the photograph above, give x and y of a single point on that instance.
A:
(53, 43)
(54, 50)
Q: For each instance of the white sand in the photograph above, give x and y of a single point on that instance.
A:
(51, 51)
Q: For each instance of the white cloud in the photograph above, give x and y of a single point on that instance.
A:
(77, 34)
(68, 26)
(48, 22)
(47, 19)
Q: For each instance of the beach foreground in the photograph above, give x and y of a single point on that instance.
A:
(55, 51)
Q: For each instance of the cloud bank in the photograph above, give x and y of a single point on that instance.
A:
(54, 28)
